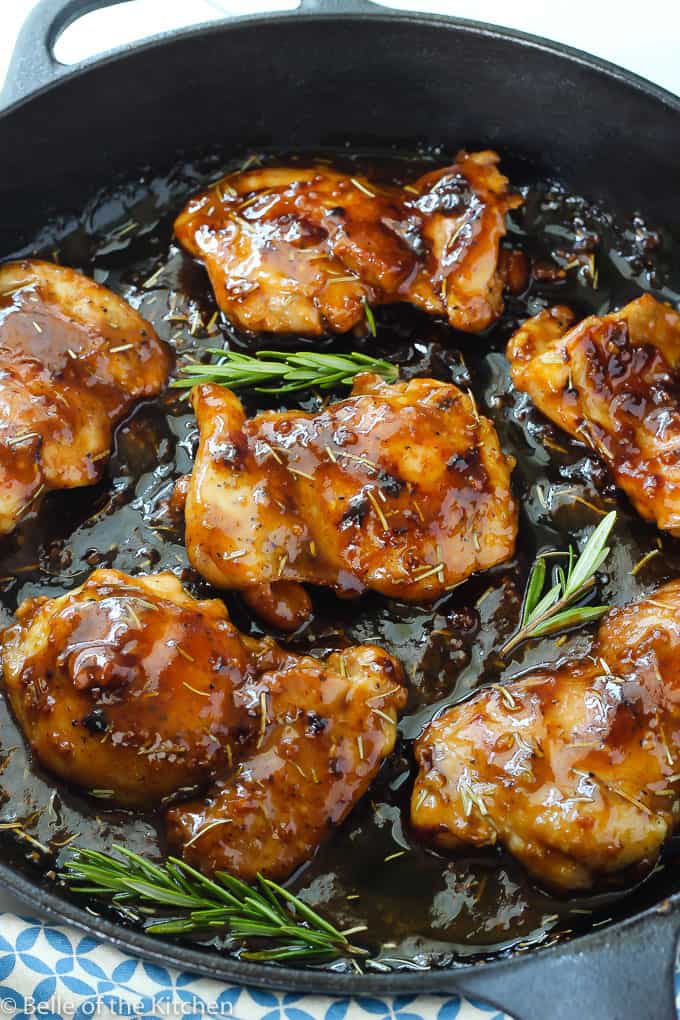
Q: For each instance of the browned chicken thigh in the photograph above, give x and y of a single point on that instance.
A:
(324, 729)
(575, 770)
(74, 358)
(303, 250)
(134, 690)
(400, 488)
(127, 685)
(613, 382)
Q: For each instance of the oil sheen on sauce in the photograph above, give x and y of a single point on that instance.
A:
(421, 908)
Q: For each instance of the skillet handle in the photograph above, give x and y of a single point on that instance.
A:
(625, 973)
(33, 66)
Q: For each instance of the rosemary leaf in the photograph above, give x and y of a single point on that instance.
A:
(534, 588)
(159, 894)
(569, 618)
(151, 871)
(189, 902)
(171, 927)
(241, 890)
(544, 604)
(211, 887)
(370, 319)
(301, 908)
(555, 610)
(284, 953)
(593, 555)
(283, 371)
(269, 893)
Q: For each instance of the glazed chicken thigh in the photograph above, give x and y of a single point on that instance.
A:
(575, 770)
(303, 250)
(127, 685)
(613, 382)
(135, 691)
(400, 488)
(324, 729)
(74, 358)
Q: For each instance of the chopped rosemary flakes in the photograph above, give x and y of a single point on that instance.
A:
(264, 719)
(383, 715)
(370, 495)
(195, 690)
(362, 187)
(302, 474)
(644, 561)
(205, 829)
(19, 440)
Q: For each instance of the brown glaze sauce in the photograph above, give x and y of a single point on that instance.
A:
(422, 908)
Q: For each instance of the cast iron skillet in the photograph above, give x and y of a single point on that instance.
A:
(331, 71)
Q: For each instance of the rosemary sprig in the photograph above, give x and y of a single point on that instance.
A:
(187, 902)
(555, 610)
(284, 372)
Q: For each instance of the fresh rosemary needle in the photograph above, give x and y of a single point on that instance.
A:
(370, 319)
(549, 612)
(178, 900)
(283, 371)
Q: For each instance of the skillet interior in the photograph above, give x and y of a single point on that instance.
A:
(269, 109)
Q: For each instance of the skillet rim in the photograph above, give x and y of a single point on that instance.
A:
(65, 73)
(207, 962)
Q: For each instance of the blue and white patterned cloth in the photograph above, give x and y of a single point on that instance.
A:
(57, 973)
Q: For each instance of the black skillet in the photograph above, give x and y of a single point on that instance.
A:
(333, 70)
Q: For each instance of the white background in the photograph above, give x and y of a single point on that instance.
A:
(644, 37)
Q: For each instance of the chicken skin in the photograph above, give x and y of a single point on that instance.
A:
(137, 692)
(294, 250)
(612, 381)
(400, 488)
(575, 770)
(74, 358)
